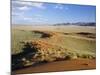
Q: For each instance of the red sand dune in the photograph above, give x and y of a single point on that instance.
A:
(66, 65)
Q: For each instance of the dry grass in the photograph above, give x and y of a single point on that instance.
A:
(52, 44)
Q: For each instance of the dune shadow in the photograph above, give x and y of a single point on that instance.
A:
(44, 34)
(27, 52)
(66, 33)
(87, 34)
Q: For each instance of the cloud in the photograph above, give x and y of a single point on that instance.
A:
(27, 18)
(39, 18)
(14, 14)
(21, 2)
(38, 5)
(17, 17)
(59, 6)
(38, 15)
(21, 17)
(32, 4)
(24, 8)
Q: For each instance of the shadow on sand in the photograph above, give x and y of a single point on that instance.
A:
(27, 52)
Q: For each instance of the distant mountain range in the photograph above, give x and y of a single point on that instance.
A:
(60, 24)
(78, 23)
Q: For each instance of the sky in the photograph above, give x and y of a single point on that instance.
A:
(50, 13)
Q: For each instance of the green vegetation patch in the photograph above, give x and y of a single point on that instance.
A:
(21, 36)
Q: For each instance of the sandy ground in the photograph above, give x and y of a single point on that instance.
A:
(68, 29)
(66, 65)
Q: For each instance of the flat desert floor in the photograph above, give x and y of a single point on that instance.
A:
(66, 65)
(64, 48)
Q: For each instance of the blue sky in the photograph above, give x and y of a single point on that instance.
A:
(51, 13)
